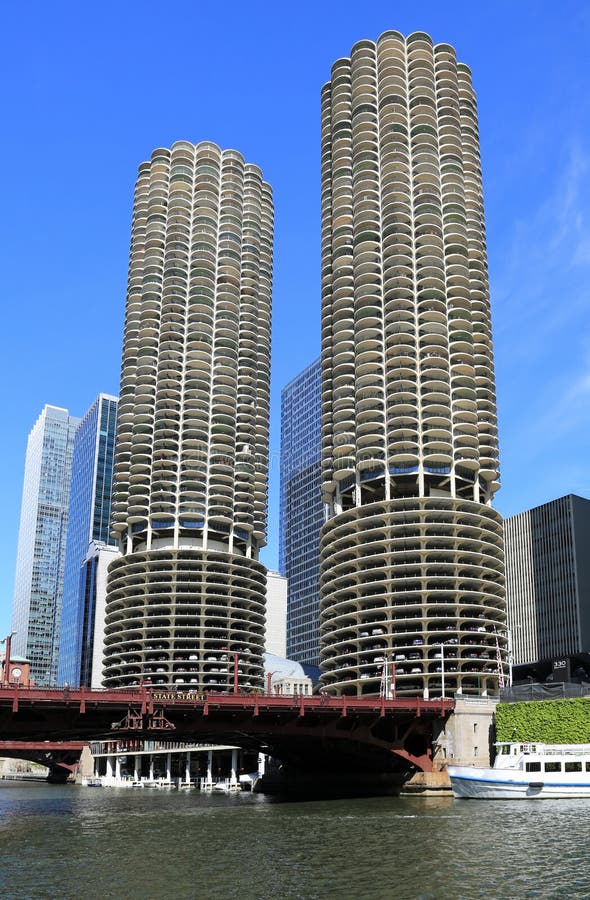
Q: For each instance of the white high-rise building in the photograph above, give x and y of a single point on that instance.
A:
(38, 587)
(276, 614)
(411, 555)
(191, 463)
(95, 574)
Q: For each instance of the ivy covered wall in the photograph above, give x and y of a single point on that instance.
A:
(545, 721)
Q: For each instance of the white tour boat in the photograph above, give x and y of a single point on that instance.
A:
(522, 771)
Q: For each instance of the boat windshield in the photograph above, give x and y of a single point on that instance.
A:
(514, 749)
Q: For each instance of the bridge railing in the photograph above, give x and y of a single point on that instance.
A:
(149, 697)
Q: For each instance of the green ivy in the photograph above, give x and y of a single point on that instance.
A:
(545, 721)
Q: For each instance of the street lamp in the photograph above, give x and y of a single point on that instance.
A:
(236, 660)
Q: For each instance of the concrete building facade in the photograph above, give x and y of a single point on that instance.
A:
(88, 527)
(276, 614)
(411, 554)
(548, 579)
(93, 583)
(38, 587)
(191, 462)
(302, 511)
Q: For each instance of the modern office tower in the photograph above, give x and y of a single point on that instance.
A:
(191, 459)
(302, 511)
(38, 587)
(548, 579)
(276, 614)
(88, 524)
(411, 554)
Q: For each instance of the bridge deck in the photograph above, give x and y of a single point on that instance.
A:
(300, 728)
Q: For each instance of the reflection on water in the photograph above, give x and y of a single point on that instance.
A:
(72, 842)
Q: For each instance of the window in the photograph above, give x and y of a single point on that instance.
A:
(553, 767)
(533, 767)
(573, 766)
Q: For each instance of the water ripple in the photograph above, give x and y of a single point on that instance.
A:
(73, 842)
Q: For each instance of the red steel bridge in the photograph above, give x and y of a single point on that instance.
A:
(308, 734)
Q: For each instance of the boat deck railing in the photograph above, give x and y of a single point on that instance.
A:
(544, 749)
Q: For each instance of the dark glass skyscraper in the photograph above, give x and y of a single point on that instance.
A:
(88, 521)
(548, 579)
(302, 512)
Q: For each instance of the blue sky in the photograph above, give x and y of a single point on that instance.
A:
(89, 89)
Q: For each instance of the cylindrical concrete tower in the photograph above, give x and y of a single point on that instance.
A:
(191, 464)
(412, 554)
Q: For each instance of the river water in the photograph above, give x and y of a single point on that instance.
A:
(75, 842)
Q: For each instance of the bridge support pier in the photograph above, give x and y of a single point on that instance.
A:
(427, 783)
(58, 775)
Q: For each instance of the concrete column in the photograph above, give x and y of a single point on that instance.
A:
(136, 768)
(233, 778)
(261, 763)
(151, 767)
(209, 766)
(187, 767)
(117, 768)
(168, 767)
(111, 767)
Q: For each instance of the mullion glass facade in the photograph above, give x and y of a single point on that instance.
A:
(42, 540)
(548, 579)
(302, 513)
(89, 517)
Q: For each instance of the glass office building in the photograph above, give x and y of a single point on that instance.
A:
(40, 559)
(88, 521)
(302, 512)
